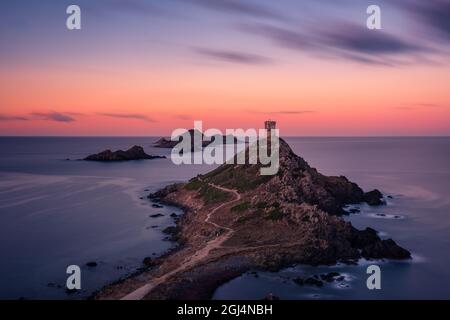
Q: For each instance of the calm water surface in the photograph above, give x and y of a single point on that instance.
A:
(55, 212)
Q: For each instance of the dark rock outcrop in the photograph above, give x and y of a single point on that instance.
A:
(158, 195)
(165, 143)
(134, 153)
(172, 232)
(374, 198)
(372, 247)
(310, 281)
(151, 262)
(385, 249)
(330, 277)
(168, 143)
(361, 238)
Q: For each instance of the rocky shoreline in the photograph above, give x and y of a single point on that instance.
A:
(236, 221)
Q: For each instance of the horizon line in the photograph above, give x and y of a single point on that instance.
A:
(286, 136)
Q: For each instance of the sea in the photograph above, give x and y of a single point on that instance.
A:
(57, 211)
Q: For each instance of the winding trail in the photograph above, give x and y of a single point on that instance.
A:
(201, 254)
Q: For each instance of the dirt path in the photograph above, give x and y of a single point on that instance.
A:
(190, 261)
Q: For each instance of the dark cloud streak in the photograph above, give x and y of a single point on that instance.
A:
(433, 13)
(182, 117)
(283, 112)
(340, 40)
(135, 116)
(362, 40)
(4, 117)
(53, 116)
(233, 56)
(293, 112)
(282, 36)
(100, 8)
(240, 7)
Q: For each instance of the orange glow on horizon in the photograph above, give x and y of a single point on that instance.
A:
(306, 99)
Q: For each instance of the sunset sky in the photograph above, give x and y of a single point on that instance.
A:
(146, 67)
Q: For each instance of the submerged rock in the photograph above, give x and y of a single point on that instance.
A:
(71, 291)
(172, 232)
(330, 277)
(311, 281)
(151, 262)
(350, 262)
(91, 264)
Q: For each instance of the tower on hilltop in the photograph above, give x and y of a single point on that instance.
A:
(269, 125)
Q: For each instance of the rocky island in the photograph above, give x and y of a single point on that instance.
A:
(134, 153)
(237, 220)
(168, 143)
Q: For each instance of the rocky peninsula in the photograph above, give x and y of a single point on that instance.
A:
(237, 220)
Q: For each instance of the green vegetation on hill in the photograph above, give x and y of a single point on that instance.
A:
(242, 177)
(243, 219)
(261, 205)
(193, 184)
(275, 214)
(261, 209)
(243, 206)
(209, 194)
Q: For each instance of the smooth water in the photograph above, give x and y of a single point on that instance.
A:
(55, 212)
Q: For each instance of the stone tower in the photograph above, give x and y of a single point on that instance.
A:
(269, 125)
